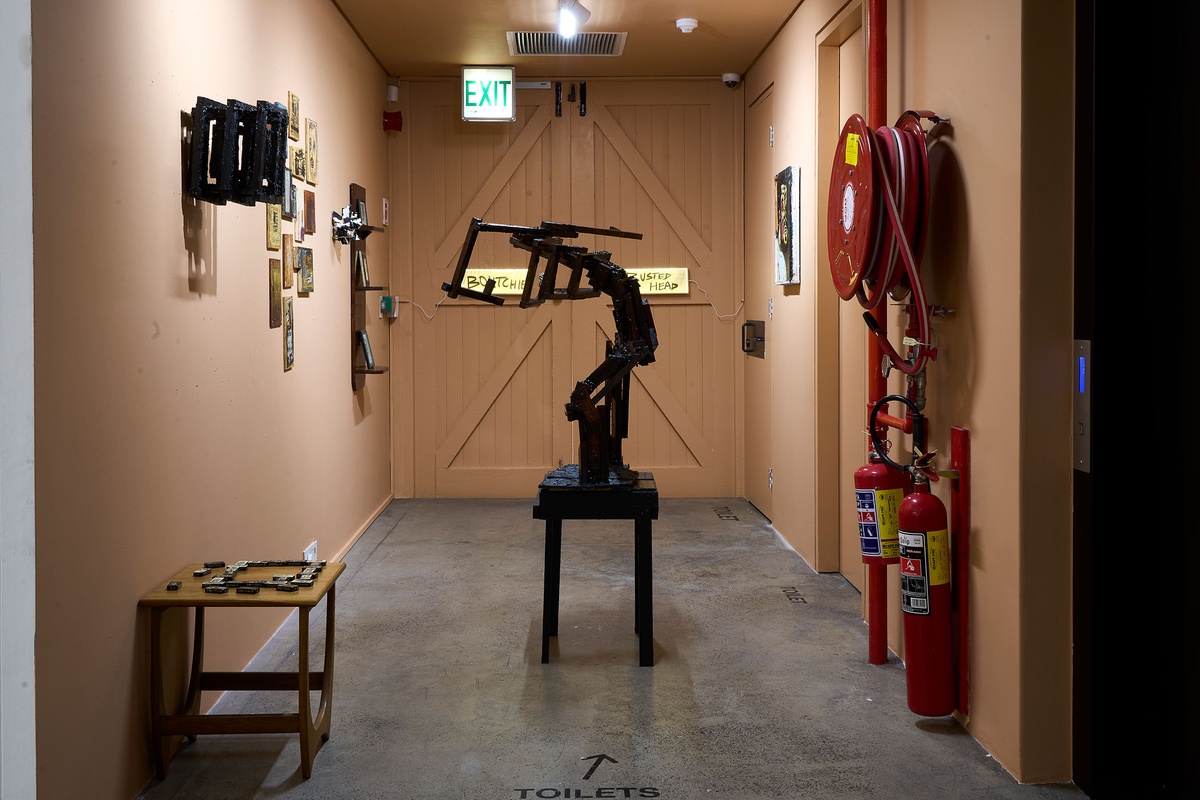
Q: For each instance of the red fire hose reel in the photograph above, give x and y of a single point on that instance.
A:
(878, 209)
(878, 215)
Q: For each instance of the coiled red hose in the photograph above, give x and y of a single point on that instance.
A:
(878, 211)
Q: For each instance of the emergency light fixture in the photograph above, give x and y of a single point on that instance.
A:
(487, 94)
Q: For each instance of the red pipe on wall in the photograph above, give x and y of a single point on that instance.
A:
(960, 554)
(877, 647)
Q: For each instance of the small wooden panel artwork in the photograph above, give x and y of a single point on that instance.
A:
(289, 335)
(304, 261)
(299, 163)
(289, 194)
(310, 212)
(289, 260)
(310, 151)
(274, 225)
(276, 301)
(293, 117)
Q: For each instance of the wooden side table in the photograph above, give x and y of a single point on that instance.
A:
(560, 496)
(187, 719)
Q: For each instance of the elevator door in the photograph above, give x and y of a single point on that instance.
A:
(760, 260)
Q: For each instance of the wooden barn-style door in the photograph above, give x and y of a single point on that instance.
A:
(490, 382)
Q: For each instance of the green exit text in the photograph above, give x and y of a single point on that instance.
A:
(482, 94)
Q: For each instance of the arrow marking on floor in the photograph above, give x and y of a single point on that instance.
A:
(600, 758)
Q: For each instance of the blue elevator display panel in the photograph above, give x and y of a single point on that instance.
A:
(1082, 422)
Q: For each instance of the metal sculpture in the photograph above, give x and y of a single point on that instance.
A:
(599, 404)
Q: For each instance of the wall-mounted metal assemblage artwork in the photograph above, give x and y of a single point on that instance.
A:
(599, 404)
(238, 152)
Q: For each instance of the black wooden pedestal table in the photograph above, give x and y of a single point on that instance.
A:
(561, 496)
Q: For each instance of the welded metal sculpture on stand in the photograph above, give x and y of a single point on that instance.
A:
(599, 404)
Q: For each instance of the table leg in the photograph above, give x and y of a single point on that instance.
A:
(643, 592)
(191, 703)
(158, 743)
(314, 732)
(550, 585)
(306, 726)
(163, 744)
(321, 725)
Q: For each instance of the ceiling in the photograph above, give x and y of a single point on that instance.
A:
(427, 38)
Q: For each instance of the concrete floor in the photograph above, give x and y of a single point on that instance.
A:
(761, 686)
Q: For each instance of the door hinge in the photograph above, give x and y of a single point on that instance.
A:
(772, 135)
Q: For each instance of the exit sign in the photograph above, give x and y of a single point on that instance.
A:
(487, 94)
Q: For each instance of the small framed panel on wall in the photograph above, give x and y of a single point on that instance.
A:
(787, 226)
(289, 335)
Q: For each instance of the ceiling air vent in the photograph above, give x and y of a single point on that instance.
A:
(540, 43)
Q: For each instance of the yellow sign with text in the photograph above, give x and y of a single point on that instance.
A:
(661, 280)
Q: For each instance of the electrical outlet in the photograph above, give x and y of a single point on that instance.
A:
(310, 552)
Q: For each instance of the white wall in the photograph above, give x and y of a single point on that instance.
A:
(17, 748)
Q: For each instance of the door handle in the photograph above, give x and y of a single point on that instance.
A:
(754, 337)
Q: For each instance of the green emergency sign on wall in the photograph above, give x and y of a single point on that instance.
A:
(487, 94)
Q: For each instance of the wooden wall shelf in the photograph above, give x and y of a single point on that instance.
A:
(358, 292)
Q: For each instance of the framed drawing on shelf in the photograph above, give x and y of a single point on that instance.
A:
(289, 260)
(310, 211)
(365, 342)
(304, 265)
(362, 212)
(274, 225)
(276, 310)
(293, 117)
(289, 336)
(361, 272)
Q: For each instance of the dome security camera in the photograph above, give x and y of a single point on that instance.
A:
(731, 79)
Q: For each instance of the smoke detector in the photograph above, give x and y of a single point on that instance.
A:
(687, 24)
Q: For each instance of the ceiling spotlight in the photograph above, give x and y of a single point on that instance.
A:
(687, 24)
(570, 16)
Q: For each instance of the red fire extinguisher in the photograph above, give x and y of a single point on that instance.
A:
(925, 595)
(925, 600)
(878, 490)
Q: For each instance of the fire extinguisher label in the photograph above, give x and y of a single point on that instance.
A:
(924, 562)
(878, 521)
(937, 548)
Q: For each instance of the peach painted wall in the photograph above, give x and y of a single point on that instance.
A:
(992, 257)
(167, 431)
